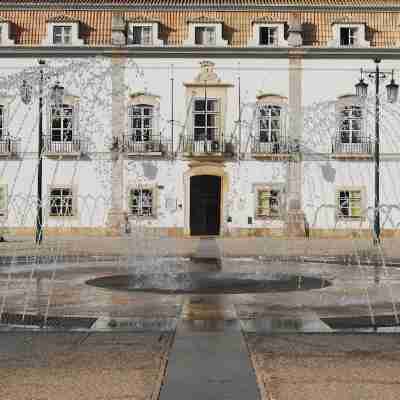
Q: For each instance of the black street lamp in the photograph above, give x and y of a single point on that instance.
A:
(57, 98)
(392, 94)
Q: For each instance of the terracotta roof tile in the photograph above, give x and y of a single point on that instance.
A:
(211, 3)
(61, 18)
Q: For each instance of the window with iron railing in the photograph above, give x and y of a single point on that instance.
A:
(268, 203)
(205, 120)
(141, 202)
(62, 123)
(141, 122)
(350, 137)
(269, 123)
(349, 203)
(61, 202)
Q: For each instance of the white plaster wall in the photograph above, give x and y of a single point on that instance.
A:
(323, 82)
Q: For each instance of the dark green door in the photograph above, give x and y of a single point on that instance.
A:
(205, 198)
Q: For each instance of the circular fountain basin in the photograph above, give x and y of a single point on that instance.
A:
(209, 282)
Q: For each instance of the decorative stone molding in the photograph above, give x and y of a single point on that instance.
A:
(118, 30)
(295, 38)
(279, 27)
(5, 33)
(360, 34)
(63, 20)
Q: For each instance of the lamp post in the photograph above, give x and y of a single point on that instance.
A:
(392, 94)
(57, 98)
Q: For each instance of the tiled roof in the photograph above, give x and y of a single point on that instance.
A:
(331, 3)
(30, 25)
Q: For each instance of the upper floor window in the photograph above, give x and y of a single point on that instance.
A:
(62, 34)
(269, 123)
(61, 124)
(206, 119)
(350, 125)
(350, 137)
(205, 35)
(62, 30)
(268, 34)
(205, 32)
(141, 122)
(143, 34)
(348, 35)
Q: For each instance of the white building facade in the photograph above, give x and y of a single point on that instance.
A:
(206, 122)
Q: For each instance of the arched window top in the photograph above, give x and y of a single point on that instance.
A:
(348, 100)
(144, 98)
(272, 99)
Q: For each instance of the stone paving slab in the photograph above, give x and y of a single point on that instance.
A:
(76, 366)
(209, 364)
(229, 247)
(326, 367)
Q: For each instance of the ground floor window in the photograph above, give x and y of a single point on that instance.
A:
(61, 202)
(141, 202)
(349, 203)
(268, 203)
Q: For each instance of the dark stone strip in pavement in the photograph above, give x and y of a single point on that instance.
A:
(209, 361)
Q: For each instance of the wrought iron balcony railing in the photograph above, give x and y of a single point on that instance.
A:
(76, 145)
(191, 146)
(363, 145)
(154, 145)
(8, 146)
(279, 146)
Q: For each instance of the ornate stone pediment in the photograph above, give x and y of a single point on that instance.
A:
(207, 72)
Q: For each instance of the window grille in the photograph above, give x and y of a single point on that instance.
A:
(349, 203)
(141, 202)
(61, 202)
(268, 203)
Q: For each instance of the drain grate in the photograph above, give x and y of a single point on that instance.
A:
(51, 321)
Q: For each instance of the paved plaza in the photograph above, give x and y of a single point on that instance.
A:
(141, 343)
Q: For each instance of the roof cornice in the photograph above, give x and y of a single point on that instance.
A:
(195, 52)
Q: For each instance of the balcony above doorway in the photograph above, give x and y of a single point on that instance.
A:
(206, 149)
